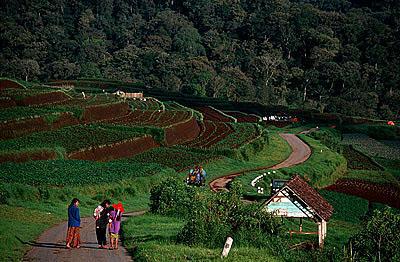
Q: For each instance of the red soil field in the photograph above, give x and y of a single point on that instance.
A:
(381, 193)
(105, 112)
(121, 149)
(44, 98)
(210, 134)
(19, 128)
(9, 84)
(7, 102)
(212, 115)
(153, 118)
(242, 117)
(182, 132)
(28, 156)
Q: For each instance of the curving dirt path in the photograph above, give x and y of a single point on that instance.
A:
(300, 153)
(51, 245)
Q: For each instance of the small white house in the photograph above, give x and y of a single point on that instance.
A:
(297, 199)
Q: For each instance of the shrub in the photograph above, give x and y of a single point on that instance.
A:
(172, 197)
(216, 216)
(379, 240)
(329, 137)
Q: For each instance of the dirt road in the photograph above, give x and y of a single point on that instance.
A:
(300, 153)
(51, 245)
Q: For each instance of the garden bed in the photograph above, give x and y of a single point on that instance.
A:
(28, 156)
(43, 98)
(358, 160)
(6, 83)
(210, 134)
(381, 193)
(105, 112)
(370, 146)
(14, 129)
(212, 114)
(121, 149)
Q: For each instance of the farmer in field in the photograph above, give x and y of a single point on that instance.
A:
(101, 214)
(203, 175)
(115, 224)
(74, 223)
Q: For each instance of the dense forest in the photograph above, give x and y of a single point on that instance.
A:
(330, 55)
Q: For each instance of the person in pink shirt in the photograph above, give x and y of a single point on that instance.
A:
(115, 224)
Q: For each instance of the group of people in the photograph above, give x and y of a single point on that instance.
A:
(106, 216)
(196, 176)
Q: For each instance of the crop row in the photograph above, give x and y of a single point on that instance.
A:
(382, 193)
(371, 147)
(73, 172)
(52, 121)
(157, 118)
(28, 156)
(147, 103)
(75, 105)
(172, 105)
(357, 160)
(34, 97)
(210, 134)
(243, 117)
(116, 150)
(172, 157)
(211, 114)
(6, 83)
(69, 138)
(243, 134)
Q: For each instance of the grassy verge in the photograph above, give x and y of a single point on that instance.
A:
(378, 177)
(322, 168)
(152, 238)
(18, 225)
(30, 210)
(275, 152)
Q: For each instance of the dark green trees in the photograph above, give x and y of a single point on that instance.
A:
(323, 55)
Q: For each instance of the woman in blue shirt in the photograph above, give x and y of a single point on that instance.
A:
(74, 223)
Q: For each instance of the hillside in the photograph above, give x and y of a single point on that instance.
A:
(339, 56)
(57, 143)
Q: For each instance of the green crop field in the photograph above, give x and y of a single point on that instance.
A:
(37, 191)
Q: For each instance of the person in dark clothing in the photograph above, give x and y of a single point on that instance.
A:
(74, 223)
(101, 214)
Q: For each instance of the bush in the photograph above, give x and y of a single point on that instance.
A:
(217, 216)
(330, 137)
(172, 197)
(379, 240)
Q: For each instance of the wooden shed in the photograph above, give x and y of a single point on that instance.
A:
(299, 200)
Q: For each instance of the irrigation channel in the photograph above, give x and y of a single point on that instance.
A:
(300, 153)
(50, 246)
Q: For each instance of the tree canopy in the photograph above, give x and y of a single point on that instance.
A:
(338, 56)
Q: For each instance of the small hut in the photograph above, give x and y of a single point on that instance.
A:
(299, 200)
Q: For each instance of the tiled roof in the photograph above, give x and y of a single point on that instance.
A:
(310, 196)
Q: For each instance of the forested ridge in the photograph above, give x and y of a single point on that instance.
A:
(334, 56)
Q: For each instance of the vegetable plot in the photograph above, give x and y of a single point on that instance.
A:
(73, 172)
(370, 146)
(244, 133)
(382, 193)
(69, 138)
(176, 158)
(210, 134)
